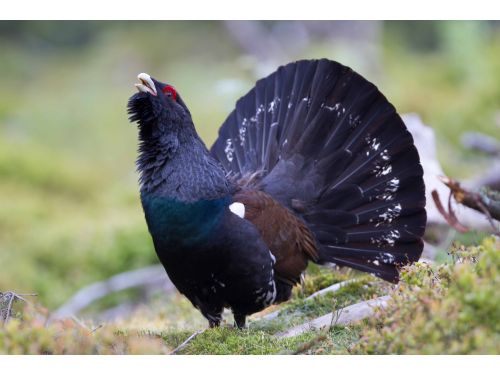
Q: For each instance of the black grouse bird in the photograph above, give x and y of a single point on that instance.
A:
(314, 164)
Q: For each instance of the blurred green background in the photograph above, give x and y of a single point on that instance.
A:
(69, 207)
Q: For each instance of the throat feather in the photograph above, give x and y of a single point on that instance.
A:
(182, 170)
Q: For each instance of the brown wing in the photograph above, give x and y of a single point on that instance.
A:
(288, 238)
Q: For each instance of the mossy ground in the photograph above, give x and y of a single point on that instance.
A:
(176, 320)
(449, 308)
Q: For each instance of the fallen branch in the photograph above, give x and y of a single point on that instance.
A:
(152, 277)
(347, 315)
(449, 216)
(425, 141)
(331, 288)
(485, 201)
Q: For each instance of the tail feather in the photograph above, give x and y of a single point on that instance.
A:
(321, 134)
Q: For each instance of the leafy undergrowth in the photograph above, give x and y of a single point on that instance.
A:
(449, 308)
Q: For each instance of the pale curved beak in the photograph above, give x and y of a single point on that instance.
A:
(146, 85)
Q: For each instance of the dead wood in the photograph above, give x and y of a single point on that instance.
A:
(344, 316)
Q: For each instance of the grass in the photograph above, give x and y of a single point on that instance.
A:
(229, 340)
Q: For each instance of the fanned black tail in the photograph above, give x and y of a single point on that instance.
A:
(328, 145)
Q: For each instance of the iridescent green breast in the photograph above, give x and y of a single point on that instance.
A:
(174, 223)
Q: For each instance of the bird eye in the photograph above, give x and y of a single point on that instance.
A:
(170, 91)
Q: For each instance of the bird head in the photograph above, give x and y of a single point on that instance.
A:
(157, 107)
(167, 142)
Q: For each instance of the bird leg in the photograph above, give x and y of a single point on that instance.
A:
(240, 320)
(213, 323)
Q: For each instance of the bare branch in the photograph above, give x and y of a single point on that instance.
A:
(152, 277)
(425, 141)
(485, 201)
(331, 288)
(449, 216)
(347, 315)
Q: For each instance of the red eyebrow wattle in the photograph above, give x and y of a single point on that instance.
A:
(171, 90)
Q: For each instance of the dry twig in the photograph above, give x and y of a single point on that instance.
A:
(449, 216)
(184, 344)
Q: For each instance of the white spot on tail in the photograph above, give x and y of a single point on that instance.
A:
(238, 209)
(382, 170)
(273, 105)
(385, 155)
(337, 107)
(374, 144)
(243, 131)
(393, 185)
(229, 150)
(386, 258)
(389, 215)
(386, 239)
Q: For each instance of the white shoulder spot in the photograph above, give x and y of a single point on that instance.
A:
(238, 209)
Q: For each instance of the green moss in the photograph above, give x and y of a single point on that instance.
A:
(317, 306)
(451, 308)
(317, 277)
(228, 340)
(299, 310)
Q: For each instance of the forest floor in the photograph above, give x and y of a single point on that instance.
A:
(451, 308)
